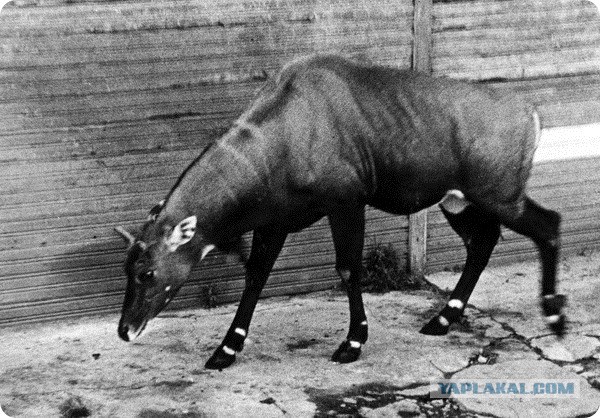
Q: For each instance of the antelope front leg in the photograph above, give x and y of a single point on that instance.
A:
(348, 229)
(265, 249)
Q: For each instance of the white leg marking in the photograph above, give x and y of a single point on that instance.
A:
(547, 297)
(552, 319)
(355, 344)
(455, 303)
(454, 201)
(240, 331)
(443, 321)
(206, 250)
(364, 323)
(228, 350)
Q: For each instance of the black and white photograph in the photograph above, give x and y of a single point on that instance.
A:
(299, 208)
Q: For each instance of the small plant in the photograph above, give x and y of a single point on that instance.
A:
(74, 408)
(383, 272)
(209, 297)
(585, 252)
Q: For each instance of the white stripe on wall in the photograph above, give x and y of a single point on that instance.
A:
(568, 143)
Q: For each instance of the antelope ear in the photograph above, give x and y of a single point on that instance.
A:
(126, 235)
(182, 233)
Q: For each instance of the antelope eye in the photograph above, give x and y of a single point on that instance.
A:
(146, 277)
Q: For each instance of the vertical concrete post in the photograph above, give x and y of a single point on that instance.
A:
(421, 61)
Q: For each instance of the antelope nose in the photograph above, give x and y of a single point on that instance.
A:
(124, 332)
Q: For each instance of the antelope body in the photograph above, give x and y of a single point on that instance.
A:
(326, 137)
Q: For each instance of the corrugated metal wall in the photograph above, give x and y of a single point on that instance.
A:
(549, 52)
(103, 104)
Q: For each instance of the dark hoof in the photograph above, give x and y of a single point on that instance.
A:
(559, 327)
(434, 327)
(552, 306)
(346, 353)
(220, 360)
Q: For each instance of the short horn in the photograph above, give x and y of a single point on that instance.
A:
(127, 236)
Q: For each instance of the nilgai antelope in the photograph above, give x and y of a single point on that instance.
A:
(326, 137)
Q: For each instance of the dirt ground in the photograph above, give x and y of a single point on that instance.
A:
(80, 367)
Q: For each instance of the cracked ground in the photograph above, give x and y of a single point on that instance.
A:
(80, 368)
